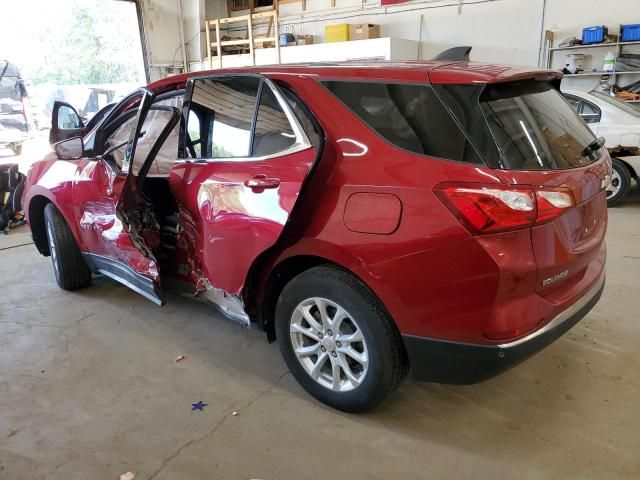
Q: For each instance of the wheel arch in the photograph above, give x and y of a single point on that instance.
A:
(37, 223)
(273, 270)
(629, 167)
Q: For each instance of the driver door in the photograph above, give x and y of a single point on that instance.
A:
(116, 220)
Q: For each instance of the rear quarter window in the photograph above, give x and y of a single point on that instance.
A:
(409, 116)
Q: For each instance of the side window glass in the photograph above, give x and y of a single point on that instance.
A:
(153, 125)
(574, 102)
(194, 139)
(590, 113)
(226, 106)
(67, 118)
(273, 131)
(408, 116)
(304, 117)
(118, 139)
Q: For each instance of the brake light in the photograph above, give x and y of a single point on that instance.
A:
(485, 209)
(552, 203)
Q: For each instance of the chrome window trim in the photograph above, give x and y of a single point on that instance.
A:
(295, 148)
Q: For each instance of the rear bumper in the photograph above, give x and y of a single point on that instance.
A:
(466, 363)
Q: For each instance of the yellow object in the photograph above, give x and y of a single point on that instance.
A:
(336, 33)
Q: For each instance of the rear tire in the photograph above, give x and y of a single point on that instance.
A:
(361, 361)
(70, 269)
(620, 183)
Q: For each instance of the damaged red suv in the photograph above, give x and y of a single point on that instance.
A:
(443, 217)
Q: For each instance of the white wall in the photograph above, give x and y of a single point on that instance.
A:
(498, 30)
(503, 31)
(162, 31)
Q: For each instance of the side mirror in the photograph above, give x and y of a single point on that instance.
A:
(70, 149)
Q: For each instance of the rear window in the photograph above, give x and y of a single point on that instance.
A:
(408, 116)
(534, 127)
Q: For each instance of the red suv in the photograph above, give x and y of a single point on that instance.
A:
(444, 216)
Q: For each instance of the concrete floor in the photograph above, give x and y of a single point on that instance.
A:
(88, 390)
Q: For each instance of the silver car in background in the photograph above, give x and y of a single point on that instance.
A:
(619, 123)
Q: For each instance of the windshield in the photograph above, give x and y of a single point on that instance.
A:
(534, 127)
(633, 109)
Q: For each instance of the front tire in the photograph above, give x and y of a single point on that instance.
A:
(69, 266)
(338, 341)
(620, 183)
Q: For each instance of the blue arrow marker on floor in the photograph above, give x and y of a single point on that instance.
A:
(198, 406)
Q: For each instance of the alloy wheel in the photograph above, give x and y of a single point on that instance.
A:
(329, 344)
(52, 247)
(614, 186)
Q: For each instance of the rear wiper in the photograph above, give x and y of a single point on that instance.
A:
(593, 147)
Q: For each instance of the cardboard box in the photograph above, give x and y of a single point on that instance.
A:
(336, 33)
(304, 39)
(364, 31)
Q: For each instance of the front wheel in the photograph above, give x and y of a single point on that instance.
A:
(337, 340)
(620, 183)
(70, 269)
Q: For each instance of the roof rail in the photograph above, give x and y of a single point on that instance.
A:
(455, 54)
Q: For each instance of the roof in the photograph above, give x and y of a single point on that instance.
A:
(410, 71)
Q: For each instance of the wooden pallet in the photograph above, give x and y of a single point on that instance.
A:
(272, 21)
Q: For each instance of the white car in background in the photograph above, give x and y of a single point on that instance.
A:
(619, 123)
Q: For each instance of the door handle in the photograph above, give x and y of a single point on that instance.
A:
(260, 182)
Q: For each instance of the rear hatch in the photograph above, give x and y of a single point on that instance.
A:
(534, 140)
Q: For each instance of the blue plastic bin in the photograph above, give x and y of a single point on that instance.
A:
(597, 34)
(630, 33)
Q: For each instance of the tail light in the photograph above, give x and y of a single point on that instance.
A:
(552, 203)
(485, 209)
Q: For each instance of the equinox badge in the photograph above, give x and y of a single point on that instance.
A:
(555, 278)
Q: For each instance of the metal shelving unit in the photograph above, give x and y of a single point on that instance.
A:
(617, 46)
(595, 45)
(599, 74)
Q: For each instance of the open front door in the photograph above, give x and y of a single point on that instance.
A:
(247, 159)
(121, 225)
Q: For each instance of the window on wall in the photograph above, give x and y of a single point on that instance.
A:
(224, 109)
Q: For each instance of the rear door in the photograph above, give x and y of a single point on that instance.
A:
(544, 144)
(246, 159)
